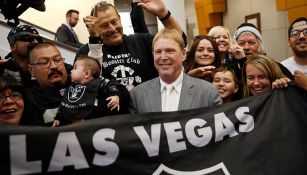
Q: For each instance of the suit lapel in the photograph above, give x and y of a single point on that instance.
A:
(155, 95)
(72, 33)
(186, 95)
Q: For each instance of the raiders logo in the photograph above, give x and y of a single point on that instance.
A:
(75, 93)
(216, 169)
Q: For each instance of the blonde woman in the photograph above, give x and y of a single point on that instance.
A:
(232, 55)
(227, 49)
(261, 74)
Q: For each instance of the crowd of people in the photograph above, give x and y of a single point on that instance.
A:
(118, 74)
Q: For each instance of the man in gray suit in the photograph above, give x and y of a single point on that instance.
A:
(185, 92)
(65, 32)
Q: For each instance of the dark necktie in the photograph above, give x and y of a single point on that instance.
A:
(75, 35)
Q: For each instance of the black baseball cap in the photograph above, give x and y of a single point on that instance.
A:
(24, 33)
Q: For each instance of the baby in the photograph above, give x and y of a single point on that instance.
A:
(89, 95)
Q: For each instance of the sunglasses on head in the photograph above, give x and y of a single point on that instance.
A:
(200, 37)
(29, 38)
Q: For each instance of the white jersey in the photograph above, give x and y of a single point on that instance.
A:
(291, 65)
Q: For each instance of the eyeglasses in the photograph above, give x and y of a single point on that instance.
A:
(47, 63)
(13, 96)
(296, 33)
(76, 19)
(200, 37)
(113, 23)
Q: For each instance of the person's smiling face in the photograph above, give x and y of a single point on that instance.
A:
(257, 81)
(11, 107)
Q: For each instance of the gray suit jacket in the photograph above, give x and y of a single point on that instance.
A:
(65, 35)
(195, 93)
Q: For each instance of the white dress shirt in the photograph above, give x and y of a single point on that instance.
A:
(170, 94)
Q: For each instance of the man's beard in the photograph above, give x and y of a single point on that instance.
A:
(301, 54)
(73, 24)
(22, 54)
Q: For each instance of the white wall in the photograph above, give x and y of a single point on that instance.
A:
(273, 24)
(4, 44)
(176, 7)
(192, 26)
(55, 13)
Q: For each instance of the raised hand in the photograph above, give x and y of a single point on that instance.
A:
(92, 25)
(237, 52)
(155, 7)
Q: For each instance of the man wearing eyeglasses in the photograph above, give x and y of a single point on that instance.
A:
(65, 33)
(128, 59)
(297, 64)
(51, 77)
(20, 38)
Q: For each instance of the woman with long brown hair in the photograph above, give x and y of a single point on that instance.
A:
(203, 57)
